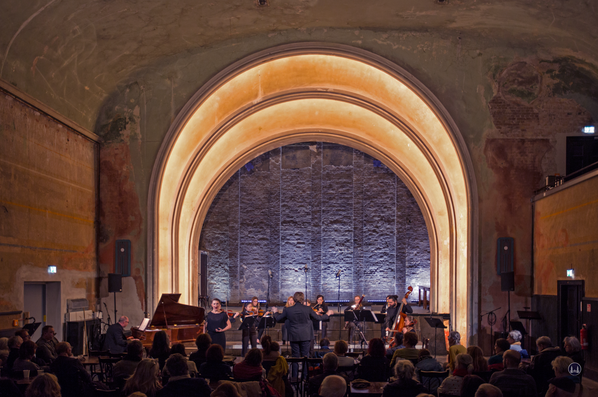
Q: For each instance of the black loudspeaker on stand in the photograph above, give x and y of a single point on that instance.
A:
(115, 284)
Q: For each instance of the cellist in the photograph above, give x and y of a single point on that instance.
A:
(391, 314)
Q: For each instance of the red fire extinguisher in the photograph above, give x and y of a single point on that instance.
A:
(583, 337)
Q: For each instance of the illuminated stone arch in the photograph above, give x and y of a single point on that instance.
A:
(315, 92)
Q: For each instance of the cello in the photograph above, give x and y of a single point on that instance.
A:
(399, 322)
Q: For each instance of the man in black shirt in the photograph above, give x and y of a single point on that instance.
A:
(116, 341)
(391, 313)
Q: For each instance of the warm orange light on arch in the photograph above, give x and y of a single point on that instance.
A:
(303, 93)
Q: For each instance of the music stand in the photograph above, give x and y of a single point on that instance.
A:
(266, 323)
(435, 323)
(31, 328)
(248, 322)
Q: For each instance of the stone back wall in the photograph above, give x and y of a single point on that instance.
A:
(323, 205)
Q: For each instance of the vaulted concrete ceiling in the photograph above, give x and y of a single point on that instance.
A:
(72, 54)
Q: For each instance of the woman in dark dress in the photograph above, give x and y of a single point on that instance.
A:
(160, 348)
(375, 366)
(217, 323)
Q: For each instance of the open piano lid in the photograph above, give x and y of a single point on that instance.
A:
(170, 313)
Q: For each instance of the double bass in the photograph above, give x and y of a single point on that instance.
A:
(399, 322)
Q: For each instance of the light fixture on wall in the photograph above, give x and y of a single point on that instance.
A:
(262, 3)
(571, 273)
(51, 269)
(588, 129)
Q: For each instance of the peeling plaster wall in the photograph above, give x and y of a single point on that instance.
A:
(48, 199)
(323, 205)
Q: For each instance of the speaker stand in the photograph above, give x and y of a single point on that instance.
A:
(115, 318)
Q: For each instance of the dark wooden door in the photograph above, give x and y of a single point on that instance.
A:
(570, 294)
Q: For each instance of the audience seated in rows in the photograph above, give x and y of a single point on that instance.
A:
(495, 362)
(427, 363)
(329, 367)
(26, 355)
(3, 350)
(251, 367)
(488, 390)
(452, 385)
(180, 383)
(374, 367)
(333, 386)
(44, 385)
(74, 380)
(202, 342)
(540, 367)
(455, 348)
(214, 368)
(160, 348)
(46, 345)
(397, 343)
(470, 385)
(340, 349)
(180, 349)
(125, 368)
(409, 352)
(145, 379)
(405, 385)
(513, 381)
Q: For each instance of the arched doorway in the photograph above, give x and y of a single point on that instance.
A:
(304, 92)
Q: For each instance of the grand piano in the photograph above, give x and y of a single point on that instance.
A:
(181, 322)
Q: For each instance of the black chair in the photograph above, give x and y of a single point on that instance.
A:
(300, 382)
(433, 379)
(106, 365)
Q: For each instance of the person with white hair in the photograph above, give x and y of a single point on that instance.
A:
(573, 349)
(455, 348)
(452, 385)
(405, 385)
(333, 386)
(514, 339)
(116, 341)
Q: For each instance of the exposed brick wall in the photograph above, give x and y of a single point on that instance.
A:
(325, 205)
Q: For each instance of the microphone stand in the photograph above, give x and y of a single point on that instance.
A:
(491, 321)
(338, 275)
(305, 269)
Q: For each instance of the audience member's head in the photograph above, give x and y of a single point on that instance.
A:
(560, 365)
(341, 348)
(203, 341)
(543, 342)
(564, 387)
(501, 345)
(64, 349)
(572, 345)
(44, 385)
(254, 357)
(161, 343)
(330, 362)
(225, 390)
(464, 361)
(137, 394)
(511, 359)
(514, 336)
(266, 343)
(410, 339)
(215, 353)
(178, 348)
(14, 342)
(488, 390)
(324, 342)
(454, 338)
(299, 297)
(275, 347)
(24, 334)
(4, 343)
(333, 386)
(135, 349)
(479, 362)
(177, 365)
(399, 338)
(422, 354)
(27, 350)
(470, 385)
(376, 348)
(48, 332)
(404, 369)
(145, 379)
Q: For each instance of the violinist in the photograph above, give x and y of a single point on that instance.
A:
(321, 307)
(250, 333)
(354, 324)
(217, 322)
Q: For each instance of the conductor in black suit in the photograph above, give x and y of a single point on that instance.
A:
(300, 327)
